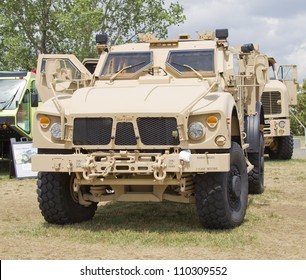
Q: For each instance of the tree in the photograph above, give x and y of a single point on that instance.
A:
(299, 111)
(30, 27)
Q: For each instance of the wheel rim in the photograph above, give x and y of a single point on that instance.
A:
(74, 195)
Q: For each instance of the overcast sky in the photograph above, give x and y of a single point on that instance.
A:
(278, 26)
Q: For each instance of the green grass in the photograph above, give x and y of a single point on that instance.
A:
(160, 224)
(145, 225)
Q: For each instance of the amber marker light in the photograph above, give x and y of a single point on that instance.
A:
(44, 122)
(212, 121)
(4, 126)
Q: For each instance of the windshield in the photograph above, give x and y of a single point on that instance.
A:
(272, 73)
(127, 64)
(186, 61)
(10, 91)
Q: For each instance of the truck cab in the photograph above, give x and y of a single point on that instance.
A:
(18, 101)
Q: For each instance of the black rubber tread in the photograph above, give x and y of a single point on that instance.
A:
(55, 200)
(212, 193)
(272, 154)
(285, 145)
(256, 175)
(284, 148)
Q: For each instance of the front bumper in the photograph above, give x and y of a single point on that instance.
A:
(101, 164)
(272, 127)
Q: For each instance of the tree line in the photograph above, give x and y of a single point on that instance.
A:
(31, 27)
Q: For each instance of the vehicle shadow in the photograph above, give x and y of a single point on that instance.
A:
(147, 216)
(150, 217)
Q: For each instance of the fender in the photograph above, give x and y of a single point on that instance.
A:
(253, 126)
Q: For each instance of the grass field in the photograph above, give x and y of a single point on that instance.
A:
(274, 227)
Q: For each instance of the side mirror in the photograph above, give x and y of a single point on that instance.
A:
(34, 98)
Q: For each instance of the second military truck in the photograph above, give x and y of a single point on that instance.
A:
(278, 95)
(178, 120)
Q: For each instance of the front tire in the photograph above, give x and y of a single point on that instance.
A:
(57, 202)
(221, 198)
(284, 148)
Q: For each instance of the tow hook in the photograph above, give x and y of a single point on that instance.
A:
(159, 167)
(88, 166)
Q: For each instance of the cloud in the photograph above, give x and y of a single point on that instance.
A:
(278, 26)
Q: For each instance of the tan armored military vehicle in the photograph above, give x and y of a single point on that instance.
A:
(278, 94)
(177, 120)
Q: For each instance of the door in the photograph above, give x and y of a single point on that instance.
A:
(288, 75)
(60, 74)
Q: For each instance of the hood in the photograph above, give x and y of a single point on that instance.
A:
(140, 99)
(275, 85)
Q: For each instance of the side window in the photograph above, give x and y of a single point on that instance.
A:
(34, 95)
(286, 73)
(23, 113)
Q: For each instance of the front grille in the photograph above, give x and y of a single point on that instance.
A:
(267, 128)
(158, 131)
(270, 102)
(92, 131)
(152, 131)
(125, 134)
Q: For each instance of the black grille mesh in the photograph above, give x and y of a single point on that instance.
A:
(158, 131)
(152, 131)
(125, 134)
(92, 131)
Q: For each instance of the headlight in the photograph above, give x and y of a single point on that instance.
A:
(281, 124)
(196, 130)
(56, 130)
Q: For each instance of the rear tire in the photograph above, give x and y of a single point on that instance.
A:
(221, 198)
(57, 201)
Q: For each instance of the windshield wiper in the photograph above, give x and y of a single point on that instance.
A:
(8, 102)
(112, 78)
(189, 67)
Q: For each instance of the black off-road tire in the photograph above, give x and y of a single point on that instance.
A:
(221, 198)
(285, 147)
(256, 175)
(56, 201)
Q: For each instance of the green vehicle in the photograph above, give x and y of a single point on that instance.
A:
(18, 101)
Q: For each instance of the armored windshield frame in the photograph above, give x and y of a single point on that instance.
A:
(134, 62)
(201, 60)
